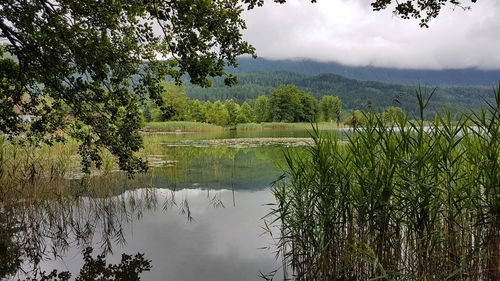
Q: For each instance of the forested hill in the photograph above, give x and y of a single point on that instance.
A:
(354, 94)
(447, 77)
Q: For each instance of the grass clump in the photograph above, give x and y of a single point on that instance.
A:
(398, 202)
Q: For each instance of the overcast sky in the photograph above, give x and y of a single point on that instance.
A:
(349, 32)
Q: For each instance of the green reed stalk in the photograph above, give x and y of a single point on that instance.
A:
(426, 199)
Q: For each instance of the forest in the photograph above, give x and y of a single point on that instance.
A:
(468, 77)
(355, 94)
(286, 103)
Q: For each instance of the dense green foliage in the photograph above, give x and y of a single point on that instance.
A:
(86, 59)
(330, 108)
(288, 104)
(171, 105)
(354, 94)
(396, 202)
(285, 104)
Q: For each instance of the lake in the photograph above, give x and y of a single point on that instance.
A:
(197, 214)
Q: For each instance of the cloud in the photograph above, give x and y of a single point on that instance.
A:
(349, 32)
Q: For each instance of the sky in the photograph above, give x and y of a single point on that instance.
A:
(351, 33)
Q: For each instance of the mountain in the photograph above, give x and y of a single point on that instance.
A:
(354, 94)
(449, 77)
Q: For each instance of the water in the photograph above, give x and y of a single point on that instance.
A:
(219, 243)
(197, 215)
(230, 134)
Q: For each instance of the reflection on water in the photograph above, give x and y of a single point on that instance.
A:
(190, 234)
(196, 215)
(217, 167)
(233, 134)
(218, 244)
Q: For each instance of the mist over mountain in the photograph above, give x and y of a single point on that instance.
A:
(469, 77)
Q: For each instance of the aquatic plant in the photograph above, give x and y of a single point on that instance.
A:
(405, 201)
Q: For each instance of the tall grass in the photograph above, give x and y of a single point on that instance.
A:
(24, 167)
(422, 202)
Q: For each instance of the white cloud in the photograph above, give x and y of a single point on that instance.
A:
(349, 32)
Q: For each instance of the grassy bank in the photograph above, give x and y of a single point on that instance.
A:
(280, 125)
(187, 126)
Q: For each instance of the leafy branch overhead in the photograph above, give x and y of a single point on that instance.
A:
(425, 10)
(85, 66)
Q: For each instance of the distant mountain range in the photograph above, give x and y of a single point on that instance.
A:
(469, 77)
(354, 94)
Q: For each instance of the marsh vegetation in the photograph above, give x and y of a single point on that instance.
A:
(396, 202)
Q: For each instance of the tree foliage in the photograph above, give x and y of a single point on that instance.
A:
(248, 112)
(196, 110)
(392, 114)
(289, 104)
(261, 109)
(89, 56)
(233, 109)
(330, 108)
(218, 114)
(172, 104)
(418, 9)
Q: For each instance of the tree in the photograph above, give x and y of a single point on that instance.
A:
(288, 103)
(173, 104)
(356, 119)
(330, 107)
(261, 109)
(284, 103)
(242, 119)
(309, 112)
(196, 110)
(218, 114)
(100, 60)
(393, 114)
(423, 10)
(247, 111)
(233, 109)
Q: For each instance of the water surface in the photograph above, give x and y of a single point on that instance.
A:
(197, 214)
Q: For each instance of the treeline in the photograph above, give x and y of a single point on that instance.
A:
(355, 94)
(287, 103)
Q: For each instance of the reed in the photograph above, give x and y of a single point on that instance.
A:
(406, 201)
(25, 166)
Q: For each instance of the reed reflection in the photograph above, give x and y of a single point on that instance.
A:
(87, 214)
